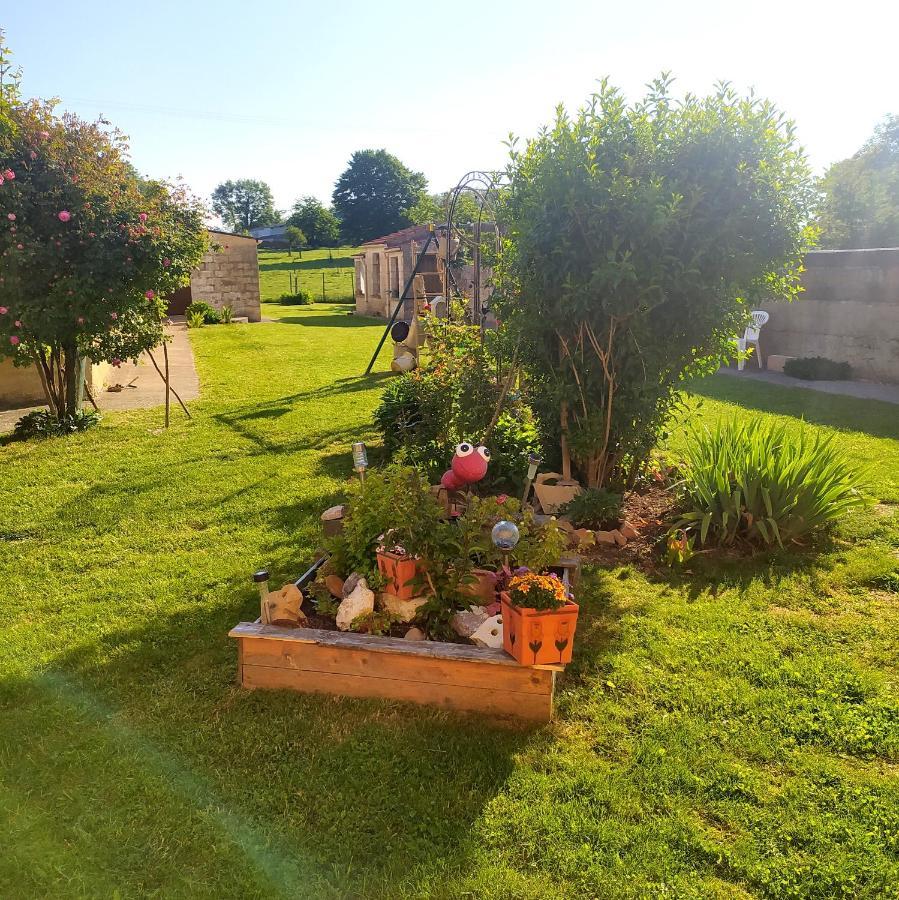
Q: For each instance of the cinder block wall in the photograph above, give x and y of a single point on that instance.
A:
(848, 312)
(229, 276)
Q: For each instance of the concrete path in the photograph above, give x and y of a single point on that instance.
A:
(864, 390)
(146, 389)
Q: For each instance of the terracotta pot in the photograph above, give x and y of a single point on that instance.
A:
(399, 574)
(538, 637)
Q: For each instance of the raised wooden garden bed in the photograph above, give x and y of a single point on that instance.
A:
(451, 676)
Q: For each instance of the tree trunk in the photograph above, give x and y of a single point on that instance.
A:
(71, 370)
(566, 453)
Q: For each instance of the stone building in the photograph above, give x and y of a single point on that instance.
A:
(384, 265)
(228, 275)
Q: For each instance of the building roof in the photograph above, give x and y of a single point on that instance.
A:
(249, 237)
(417, 233)
(268, 231)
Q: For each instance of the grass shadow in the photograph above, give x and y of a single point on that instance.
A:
(872, 417)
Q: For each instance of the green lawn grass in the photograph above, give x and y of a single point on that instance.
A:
(275, 267)
(728, 731)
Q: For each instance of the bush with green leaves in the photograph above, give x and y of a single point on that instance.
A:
(594, 508)
(817, 368)
(755, 481)
(227, 314)
(210, 314)
(456, 395)
(195, 319)
(636, 239)
(42, 423)
(299, 298)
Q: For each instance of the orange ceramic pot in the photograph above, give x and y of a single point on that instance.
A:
(538, 637)
(399, 574)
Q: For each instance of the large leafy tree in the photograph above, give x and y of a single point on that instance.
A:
(245, 204)
(373, 195)
(637, 238)
(88, 248)
(318, 223)
(432, 208)
(861, 194)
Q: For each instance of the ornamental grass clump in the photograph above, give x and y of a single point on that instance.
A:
(533, 591)
(755, 481)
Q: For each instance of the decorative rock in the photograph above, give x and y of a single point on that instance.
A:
(629, 531)
(403, 610)
(604, 537)
(620, 539)
(359, 602)
(334, 583)
(490, 633)
(775, 362)
(282, 607)
(583, 537)
(467, 622)
(414, 634)
(331, 513)
(482, 588)
(565, 524)
(332, 521)
(350, 583)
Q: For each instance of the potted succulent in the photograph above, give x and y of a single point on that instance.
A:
(539, 619)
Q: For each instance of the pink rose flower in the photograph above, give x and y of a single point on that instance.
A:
(17, 323)
(45, 135)
(166, 262)
(20, 246)
(149, 295)
(501, 498)
(33, 155)
(143, 217)
(80, 320)
(64, 215)
(9, 175)
(14, 340)
(3, 310)
(113, 316)
(11, 217)
(1, 179)
(116, 361)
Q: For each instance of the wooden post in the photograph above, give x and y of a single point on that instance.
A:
(323, 287)
(168, 383)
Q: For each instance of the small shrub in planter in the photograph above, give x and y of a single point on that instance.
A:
(817, 368)
(539, 620)
(752, 480)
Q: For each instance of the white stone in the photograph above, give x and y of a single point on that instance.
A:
(402, 610)
(490, 633)
(414, 634)
(468, 621)
(359, 602)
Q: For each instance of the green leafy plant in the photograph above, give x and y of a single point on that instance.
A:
(298, 298)
(42, 423)
(195, 319)
(227, 314)
(679, 547)
(457, 394)
(325, 603)
(593, 508)
(210, 314)
(635, 239)
(374, 622)
(818, 368)
(753, 480)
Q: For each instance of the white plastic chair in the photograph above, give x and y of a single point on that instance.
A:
(751, 336)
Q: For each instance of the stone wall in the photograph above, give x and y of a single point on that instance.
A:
(848, 312)
(229, 276)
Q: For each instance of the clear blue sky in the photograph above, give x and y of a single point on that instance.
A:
(286, 91)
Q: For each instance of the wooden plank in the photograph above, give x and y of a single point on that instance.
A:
(366, 662)
(435, 649)
(534, 707)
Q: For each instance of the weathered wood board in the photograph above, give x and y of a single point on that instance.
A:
(451, 676)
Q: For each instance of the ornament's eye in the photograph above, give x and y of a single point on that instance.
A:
(484, 453)
(464, 449)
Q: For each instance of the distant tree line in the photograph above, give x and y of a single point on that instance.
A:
(375, 195)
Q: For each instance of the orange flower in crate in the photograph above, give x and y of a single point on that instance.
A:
(539, 620)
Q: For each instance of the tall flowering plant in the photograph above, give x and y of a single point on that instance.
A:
(88, 248)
